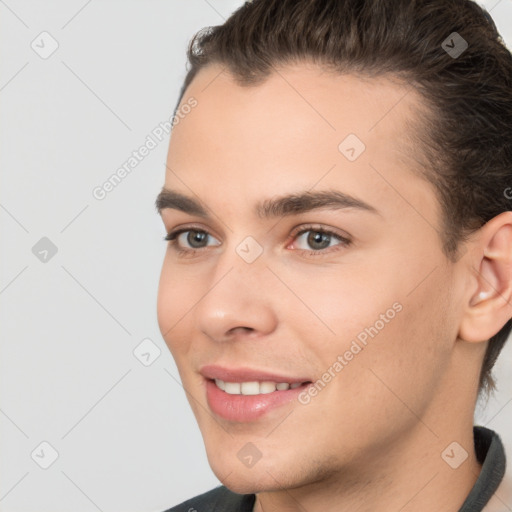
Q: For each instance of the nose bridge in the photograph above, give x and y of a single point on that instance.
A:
(243, 265)
(236, 295)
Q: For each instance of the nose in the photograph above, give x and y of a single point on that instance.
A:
(239, 302)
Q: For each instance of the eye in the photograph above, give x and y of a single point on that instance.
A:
(315, 240)
(311, 240)
(187, 240)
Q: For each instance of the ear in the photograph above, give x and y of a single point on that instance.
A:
(489, 299)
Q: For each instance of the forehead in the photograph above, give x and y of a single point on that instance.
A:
(303, 99)
(302, 127)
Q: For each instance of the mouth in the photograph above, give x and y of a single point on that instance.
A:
(245, 395)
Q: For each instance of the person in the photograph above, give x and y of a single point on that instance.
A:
(337, 280)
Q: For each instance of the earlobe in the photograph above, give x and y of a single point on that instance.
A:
(490, 303)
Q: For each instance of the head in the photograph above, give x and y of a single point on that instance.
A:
(373, 123)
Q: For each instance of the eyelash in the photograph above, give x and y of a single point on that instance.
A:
(344, 242)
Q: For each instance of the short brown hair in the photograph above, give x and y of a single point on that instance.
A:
(467, 138)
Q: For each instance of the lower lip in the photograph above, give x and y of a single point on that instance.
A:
(245, 408)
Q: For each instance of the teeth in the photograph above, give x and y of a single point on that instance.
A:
(267, 387)
(250, 388)
(254, 387)
(233, 388)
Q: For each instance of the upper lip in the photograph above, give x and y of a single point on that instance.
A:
(244, 374)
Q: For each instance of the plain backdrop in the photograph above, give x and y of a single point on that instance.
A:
(89, 421)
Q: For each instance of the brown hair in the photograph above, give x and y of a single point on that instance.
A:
(467, 138)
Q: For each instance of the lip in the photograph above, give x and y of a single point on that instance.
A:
(244, 374)
(247, 408)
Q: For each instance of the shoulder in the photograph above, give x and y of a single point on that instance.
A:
(217, 500)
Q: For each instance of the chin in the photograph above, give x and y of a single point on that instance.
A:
(249, 481)
(264, 475)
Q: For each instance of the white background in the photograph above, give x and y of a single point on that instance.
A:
(125, 436)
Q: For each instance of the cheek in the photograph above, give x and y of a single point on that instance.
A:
(404, 361)
(395, 370)
(174, 300)
(344, 301)
(382, 324)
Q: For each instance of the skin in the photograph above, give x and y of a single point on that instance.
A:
(372, 438)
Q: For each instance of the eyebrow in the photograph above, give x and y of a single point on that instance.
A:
(292, 204)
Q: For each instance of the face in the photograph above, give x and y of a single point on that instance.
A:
(340, 290)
